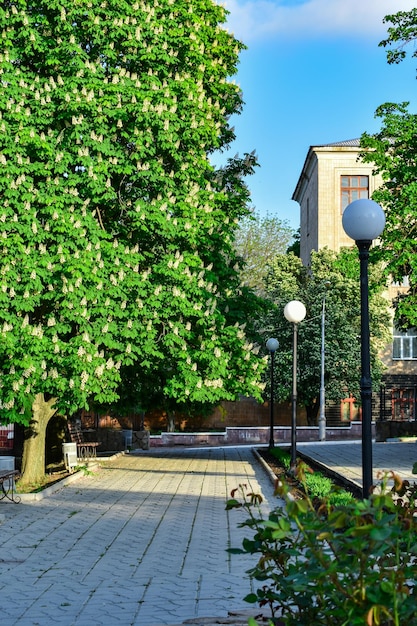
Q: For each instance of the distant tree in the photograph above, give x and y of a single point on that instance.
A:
(393, 151)
(140, 394)
(116, 232)
(295, 246)
(258, 241)
(289, 280)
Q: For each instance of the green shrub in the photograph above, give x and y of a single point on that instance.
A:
(338, 565)
(283, 456)
(318, 485)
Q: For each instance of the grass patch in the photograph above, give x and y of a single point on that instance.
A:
(47, 481)
(318, 485)
(54, 473)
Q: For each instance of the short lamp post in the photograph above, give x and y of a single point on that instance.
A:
(294, 312)
(272, 346)
(364, 220)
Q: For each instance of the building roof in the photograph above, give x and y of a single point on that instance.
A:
(353, 143)
(347, 143)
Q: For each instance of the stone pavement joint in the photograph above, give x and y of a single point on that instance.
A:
(345, 459)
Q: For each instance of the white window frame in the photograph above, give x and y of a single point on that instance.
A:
(404, 345)
(353, 192)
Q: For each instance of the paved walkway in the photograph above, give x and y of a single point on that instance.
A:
(345, 458)
(141, 542)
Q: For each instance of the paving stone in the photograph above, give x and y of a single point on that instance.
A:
(142, 542)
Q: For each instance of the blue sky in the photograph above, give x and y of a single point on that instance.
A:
(312, 74)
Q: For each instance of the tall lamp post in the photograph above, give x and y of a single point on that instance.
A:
(364, 220)
(272, 345)
(294, 312)
(322, 410)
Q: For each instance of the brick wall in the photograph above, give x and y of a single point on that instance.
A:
(245, 412)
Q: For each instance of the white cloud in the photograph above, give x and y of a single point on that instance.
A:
(253, 20)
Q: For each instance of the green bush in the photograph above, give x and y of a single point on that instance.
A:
(338, 565)
(318, 485)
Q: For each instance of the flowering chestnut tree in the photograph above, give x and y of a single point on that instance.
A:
(116, 232)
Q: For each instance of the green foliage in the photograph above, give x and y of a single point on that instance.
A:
(318, 485)
(347, 565)
(295, 246)
(393, 152)
(282, 456)
(334, 277)
(116, 233)
(402, 32)
(84, 469)
(258, 241)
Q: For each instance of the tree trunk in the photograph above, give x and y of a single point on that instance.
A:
(312, 411)
(33, 461)
(170, 421)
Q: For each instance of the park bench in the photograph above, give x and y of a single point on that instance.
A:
(85, 449)
(7, 485)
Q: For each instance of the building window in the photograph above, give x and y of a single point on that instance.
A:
(404, 345)
(403, 404)
(353, 188)
(6, 436)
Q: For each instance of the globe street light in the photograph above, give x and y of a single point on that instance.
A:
(272, 345)
(294, 312)
(364, 220)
